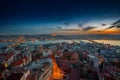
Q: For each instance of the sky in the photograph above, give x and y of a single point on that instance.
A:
(64, 17)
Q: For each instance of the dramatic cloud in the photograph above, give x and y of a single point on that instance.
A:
(103, 24)
(89, 28)
(66, 23)
(58, 27)
(110, 27)
(115, 25)
(80, 25)
(50, 28)
(117, 22)
(70, 30)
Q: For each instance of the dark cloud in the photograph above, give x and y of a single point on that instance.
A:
(66, 23)
(116, 24)
(71, 30)
(50, 28)
(89, 28)
(58, 27)
(80, 25)
(110, 27)
(104, 24)
(55, 28)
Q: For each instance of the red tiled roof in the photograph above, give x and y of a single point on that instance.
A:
(25, 57)
(65, 68)
(17, 63)
(3, 54)
(0, 75)
(31, 77)
(9, 56)
(66, 53)
(19, 54)
(18, 70)
(74, 74)
(18, 48)
(59, 52)
(15, 76)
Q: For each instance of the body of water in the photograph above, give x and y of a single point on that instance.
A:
(112, 42)
(55, 41)
(3, 44)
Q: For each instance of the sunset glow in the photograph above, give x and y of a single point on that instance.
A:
(77, 32)
(60, 17)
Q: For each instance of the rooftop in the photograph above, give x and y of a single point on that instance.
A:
(31, 77)
(18, 70)
(17, 62)
(15, 76)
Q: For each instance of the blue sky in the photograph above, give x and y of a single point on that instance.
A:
(45, 16)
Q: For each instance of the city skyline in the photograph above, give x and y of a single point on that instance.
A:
(60, 17)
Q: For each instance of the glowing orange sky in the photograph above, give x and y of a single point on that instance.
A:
(77, 32)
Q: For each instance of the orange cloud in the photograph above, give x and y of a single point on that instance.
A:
(77, 32)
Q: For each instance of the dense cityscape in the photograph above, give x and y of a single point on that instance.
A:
(61, 60)
(59, 39)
